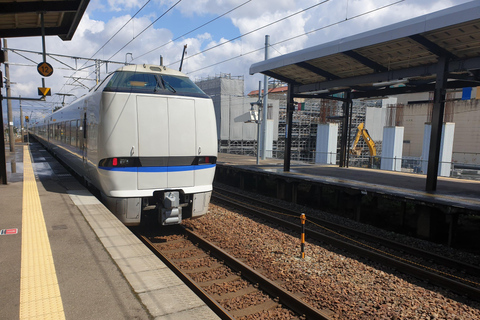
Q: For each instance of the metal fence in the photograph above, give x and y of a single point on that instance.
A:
(414, 165)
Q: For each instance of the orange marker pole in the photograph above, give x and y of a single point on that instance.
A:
(303, 219)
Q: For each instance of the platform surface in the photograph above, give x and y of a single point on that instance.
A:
(450, 191)
(65, 256)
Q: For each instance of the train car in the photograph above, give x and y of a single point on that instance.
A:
(145, 137)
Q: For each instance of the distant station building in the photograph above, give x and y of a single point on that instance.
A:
(237, 133)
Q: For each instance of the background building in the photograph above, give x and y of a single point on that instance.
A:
(410, 112)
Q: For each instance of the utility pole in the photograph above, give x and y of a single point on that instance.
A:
(259, 121)
(97, 72)
(3, 159)
(9, 107)
(265, 103)
(21, 118)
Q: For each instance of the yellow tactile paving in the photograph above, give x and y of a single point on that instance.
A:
(39, 293)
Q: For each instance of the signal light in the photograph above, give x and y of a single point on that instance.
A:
(205, 160)
(115, 162)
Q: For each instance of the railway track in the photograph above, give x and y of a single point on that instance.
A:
(419, 263)
(231, 288)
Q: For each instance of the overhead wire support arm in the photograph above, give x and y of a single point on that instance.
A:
(23, 98)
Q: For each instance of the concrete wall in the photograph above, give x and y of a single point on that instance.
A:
(374, 122)
(446, 148)
(392, 148)
(466, 143)
(466, 147)
(326, 151)
(414, 118)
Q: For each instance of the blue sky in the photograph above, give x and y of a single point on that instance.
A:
(103, 18)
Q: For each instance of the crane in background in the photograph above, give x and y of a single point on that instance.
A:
(362, 132)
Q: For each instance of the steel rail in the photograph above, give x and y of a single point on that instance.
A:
(266, 285)
(417, 272)
(468, 268)
(209, 301)
(270, 287)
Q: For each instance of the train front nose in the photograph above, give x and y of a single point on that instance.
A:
(166, 140)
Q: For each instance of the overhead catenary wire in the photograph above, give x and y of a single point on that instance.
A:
(151, 24)
(103, 46)
(197, 28)
(250, 32)
(255, 30)
(297, 36)
(135, 37)
(120, 29)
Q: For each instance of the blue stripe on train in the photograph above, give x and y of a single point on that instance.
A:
(159, 169)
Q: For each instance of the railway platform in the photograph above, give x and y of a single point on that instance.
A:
(450, 215)
(65, 256)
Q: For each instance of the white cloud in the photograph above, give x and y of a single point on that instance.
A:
(120, 5)
(92, 33)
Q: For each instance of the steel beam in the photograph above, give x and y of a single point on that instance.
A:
(421, 71)
(279, 77)
(39, 6)
(288, 130)
(433, 47)
(365, 61)
(437, 121)
(321, 72)
(345, 129)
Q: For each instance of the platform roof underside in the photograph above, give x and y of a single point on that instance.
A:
(404, 54)
(22, 18)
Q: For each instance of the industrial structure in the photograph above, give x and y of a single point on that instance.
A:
(431, 53)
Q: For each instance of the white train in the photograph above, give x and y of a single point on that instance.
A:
(145, 137)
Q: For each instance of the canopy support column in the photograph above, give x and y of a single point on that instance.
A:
(288, 129)
(345, 129)
(437, 122)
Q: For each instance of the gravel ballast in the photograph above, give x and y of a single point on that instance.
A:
(351, 287)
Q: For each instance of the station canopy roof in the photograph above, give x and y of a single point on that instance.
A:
(21, 18)
(399, 58)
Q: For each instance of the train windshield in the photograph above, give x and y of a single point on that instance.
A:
(127, 81)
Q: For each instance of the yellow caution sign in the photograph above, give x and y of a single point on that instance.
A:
(45, 69)
(44, 92)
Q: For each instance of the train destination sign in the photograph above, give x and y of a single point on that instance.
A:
(45, 69)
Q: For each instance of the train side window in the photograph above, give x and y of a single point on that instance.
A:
(73, 134)
(62, 132)
(78, 133)
(67, 132)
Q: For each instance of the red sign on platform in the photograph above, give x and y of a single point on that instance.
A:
(8, 231)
